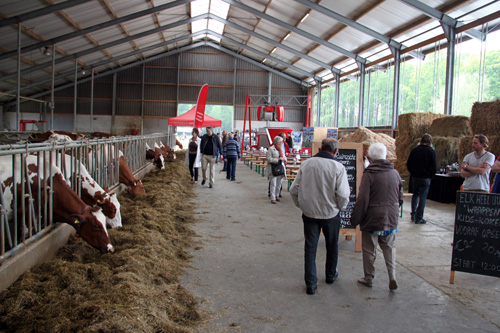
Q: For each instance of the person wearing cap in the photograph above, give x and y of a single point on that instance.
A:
(210, 149)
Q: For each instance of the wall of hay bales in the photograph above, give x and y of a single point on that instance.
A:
(363, 134)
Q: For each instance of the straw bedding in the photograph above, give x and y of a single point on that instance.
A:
(363, 134)
(135, 289)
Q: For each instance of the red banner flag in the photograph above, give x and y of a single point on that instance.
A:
(199, 117)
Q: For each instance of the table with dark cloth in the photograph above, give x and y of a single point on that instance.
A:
(444, 188)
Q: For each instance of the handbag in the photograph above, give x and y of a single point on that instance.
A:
(278, 169)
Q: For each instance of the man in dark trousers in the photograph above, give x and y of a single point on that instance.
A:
(289, 140)
(210, 149)
(422, 164)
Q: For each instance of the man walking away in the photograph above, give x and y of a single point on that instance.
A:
(231, 155)
(210, 148)
(476, 166)
(321, 191)
(422, 164)
(224, 139)
(289, 140)
(376, 211)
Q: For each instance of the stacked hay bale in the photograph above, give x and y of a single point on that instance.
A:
(446, 133)
(484, 119)
(411, 128)
(363, 134)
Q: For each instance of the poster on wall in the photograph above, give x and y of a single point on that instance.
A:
(332, 133)
(308, 137)
(297, 140)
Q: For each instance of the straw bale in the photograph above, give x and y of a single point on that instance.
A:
(136, 289)
(363, 134)
(464, 147)
(416, 124)
(451, 126)
(485, 118)
(446, 149)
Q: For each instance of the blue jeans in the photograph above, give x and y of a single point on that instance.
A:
(312, 229)
(420, 190)
(231, 168)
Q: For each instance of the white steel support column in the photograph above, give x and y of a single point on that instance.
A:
(361, 66)
(450, 33)
(234, 92)
(337, 99)
(396, 53)
(318, 102)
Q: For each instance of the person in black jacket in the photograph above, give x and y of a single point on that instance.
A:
(210, 148)
(422, 164)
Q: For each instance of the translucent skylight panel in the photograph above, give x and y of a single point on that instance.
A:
(199, 7)
(219, 8)
(198, 25)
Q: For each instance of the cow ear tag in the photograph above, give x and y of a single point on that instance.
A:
(98, 201)
(77, 221)
(135, 183)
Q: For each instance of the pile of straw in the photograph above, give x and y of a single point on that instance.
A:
(363, 134)
(135, 289)
(485, 118)
(450, 126)
(411, 128)
(446, 149)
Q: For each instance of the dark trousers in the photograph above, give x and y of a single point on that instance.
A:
(231, 168)
(192, 170)
(420, 190)
(312, 230)
(225, 165)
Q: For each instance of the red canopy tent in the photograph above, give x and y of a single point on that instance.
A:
(187, 119)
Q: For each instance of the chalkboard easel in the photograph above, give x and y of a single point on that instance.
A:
(476, 237)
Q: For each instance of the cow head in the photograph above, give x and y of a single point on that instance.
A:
(91, 226)
(137, 188)
(104, 201)
(116, 221)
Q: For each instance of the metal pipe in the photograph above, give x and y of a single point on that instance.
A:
(450, 33)
(337, 99)
(361, 93)
(75, 95)
(142, 98)
(113, 105)
(395, 92)
(18, 101)
(52, 102)
(92, 102)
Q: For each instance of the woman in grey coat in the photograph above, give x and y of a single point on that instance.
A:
(275, 155)
(376, 211)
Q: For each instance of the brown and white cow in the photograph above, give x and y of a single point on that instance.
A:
(135, 186)
(89, 222)
(56, 135)
(155, 155)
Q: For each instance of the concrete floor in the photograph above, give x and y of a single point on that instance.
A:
(247, 271)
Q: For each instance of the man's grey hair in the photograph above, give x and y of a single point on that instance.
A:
(277, 139)
(230, 135)
(377, 151)
(329, 145)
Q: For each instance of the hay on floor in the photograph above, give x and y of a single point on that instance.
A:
(363, 134)
(451, 126)
(485, 118)
(135, 289)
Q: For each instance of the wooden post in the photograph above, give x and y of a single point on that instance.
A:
(452, 277)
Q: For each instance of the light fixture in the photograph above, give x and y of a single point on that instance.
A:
(287, 35)
(304, 18)
(263, 61)
(272, 51)
(46, 51)
(83, 71)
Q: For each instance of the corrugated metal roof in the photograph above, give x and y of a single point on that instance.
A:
(392, 18)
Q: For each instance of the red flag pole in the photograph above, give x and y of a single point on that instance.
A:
(308, 115)
(244, 126)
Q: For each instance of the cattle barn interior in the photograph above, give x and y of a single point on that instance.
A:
(102, 228)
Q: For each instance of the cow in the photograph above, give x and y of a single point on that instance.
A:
(169, 152)
(155, 155)
(55, 135)
(92, 193)
(135, 187)
(89, 222)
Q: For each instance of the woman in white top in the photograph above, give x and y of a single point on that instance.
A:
(193, 156)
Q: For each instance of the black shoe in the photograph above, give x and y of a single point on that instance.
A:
(421, 221)
(412, 217)
(203, 182)
(332, 280)
(210, 185)
(227, 177)
(311, 290)
(233, 180)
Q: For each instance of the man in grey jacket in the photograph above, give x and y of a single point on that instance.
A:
(321, 191)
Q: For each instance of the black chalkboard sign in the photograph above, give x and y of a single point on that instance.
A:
(476, 239)
(348, 157)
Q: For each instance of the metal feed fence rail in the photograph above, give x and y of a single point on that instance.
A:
(100, 157)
